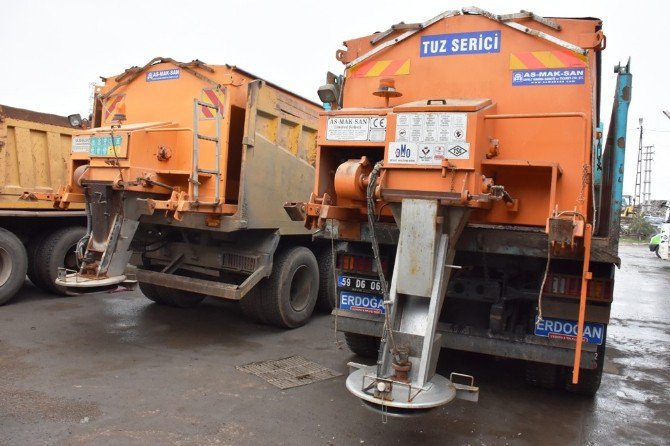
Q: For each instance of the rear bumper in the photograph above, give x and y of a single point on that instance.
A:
(524, 347)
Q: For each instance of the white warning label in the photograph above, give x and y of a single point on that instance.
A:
(356, 128)
(431, 127)
(81, 144)
(432, 136)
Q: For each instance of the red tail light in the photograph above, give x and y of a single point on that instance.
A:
(360, 264)
(570, 286)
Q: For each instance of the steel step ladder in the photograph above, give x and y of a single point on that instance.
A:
(196, 170)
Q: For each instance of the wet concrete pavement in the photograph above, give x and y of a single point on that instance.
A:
(117, 369)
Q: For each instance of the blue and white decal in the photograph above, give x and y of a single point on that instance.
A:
(364, 303)
(105, 145)
(563, 76)
(402, 152)
(460, 43)
(162, 75)
(562, 329)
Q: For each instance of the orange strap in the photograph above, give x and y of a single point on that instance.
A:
(586, 276)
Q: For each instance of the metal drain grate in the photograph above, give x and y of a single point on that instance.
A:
(289, 372)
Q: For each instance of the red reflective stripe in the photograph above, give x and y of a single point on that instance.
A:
(111, 108)
(363, 69)
(569, 59)
(531, 62)
(395, 66)
(214, 98)
(207, 112)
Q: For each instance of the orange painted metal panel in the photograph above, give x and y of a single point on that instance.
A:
(144, 139)
(540, 120)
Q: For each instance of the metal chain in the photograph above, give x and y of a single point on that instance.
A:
(387, 330)
(453, 178)
(585, 180)
(544, 281)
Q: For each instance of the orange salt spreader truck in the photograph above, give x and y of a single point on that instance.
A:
(184, 174)
(462, 158)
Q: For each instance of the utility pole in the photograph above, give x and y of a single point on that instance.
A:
(646, 184)
(638, 175)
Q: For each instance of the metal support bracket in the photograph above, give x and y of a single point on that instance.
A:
(507, 21)
(410, 344)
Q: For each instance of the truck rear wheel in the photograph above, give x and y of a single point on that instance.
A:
(289, 295)
(327, 298)
(57, 250)
(589, 379)
(13, 265)
(180, 298)
(543, 375)
(32, 250)
(150, 291)
(251, 307)
(363, 345)
(171, 297)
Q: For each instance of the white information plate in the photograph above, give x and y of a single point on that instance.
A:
(81, 144)
(431, 127)
(356, 128)
(377, 128)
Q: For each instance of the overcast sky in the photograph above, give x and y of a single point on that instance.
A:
(52, 51)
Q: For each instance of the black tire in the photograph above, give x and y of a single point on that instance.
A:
(327, 298)
(180, 298)
(169, 296)
(251, 307)
(151, 292)
(288, 296)
(589, 380)
(656, 251)
(57, 251)
(32, 250)
(542, 375)
(363, 345)
(13, 265)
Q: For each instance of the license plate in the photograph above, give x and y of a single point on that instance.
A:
(364, 303)
(359, 283)
(562, 329)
